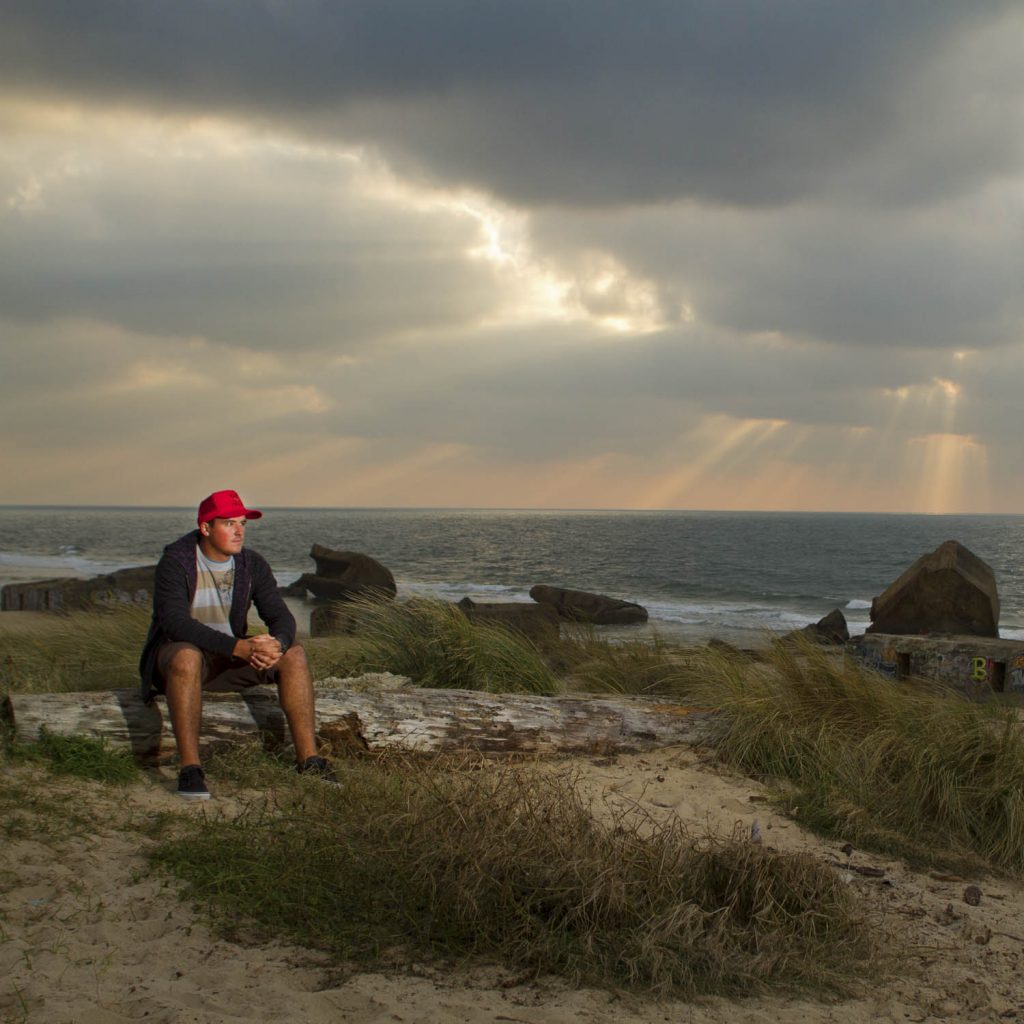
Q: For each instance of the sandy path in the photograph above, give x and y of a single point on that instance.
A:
(88, 936)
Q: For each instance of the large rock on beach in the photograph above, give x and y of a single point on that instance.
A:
(537, 621)
(69, 594)
(950, 590)
(294, 589)
(831, 630)
(347, 575)
(581, 606)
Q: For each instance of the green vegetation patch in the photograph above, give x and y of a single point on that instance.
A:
(507, 865)
(82, 756)
(80, 651)
(909, 768)
(435, 645)
(647, 667)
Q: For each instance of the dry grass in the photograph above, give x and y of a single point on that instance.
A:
(644, 667)
(506, 865)
(80, 651)
(911, 768)
(435, 645)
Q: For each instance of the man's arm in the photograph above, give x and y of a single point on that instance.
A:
(173, 606)
(272, 610)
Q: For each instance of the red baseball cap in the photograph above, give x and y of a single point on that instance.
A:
(224, 505)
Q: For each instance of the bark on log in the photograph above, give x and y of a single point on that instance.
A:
(414, 719)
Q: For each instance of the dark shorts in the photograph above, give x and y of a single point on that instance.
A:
(220, 672)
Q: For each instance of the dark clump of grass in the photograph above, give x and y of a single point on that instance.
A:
(83, 756)
(506, 865)
(642, 667)
(80, 651)
(910, 768)
(436, 645)
(251, 765)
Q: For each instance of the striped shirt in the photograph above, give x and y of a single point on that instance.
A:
(215, 584)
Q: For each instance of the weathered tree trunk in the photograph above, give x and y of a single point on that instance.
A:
(414, 719)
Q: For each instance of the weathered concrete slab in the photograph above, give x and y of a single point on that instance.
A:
(977, 665)
(125, 586)
(582, 606)
(949, 590)
(539, 622)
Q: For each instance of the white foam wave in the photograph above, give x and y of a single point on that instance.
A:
(456, 591)
(735, 615)
(857, 605)
(69, 564)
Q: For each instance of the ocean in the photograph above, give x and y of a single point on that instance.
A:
(734, 575)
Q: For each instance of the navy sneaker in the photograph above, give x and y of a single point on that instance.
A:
(317, 767)
(192, 783)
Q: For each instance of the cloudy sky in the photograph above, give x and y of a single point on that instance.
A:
(762, 254)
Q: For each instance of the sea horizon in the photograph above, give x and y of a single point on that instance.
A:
(733, 574)
(527, 508)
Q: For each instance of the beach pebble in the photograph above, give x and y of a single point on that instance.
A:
(972, 895)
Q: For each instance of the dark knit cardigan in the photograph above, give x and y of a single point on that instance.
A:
(174, 588)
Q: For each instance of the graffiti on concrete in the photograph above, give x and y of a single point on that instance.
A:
(882, 661)
(1015, 675)
(977, 667)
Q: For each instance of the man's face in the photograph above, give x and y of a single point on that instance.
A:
(222, 538)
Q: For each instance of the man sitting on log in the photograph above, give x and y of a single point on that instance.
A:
(205, 583)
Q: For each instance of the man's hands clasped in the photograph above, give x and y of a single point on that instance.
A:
(261, 652)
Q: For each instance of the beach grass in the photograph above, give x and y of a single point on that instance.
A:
(435, 645)
(648, 667)
(82, 756)
(912, 768)
(481, 863)
(74, 652)
(909, 768)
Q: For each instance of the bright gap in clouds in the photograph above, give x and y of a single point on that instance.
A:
(603, 294)
(206, 182)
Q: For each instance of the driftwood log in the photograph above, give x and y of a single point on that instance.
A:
(413, 719)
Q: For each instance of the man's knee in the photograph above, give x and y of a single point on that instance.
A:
(294, 656)
(293, 666)
(185, 663)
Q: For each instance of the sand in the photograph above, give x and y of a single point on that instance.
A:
(89, 935)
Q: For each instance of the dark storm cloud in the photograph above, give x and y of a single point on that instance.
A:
(860, 278)
(245, 248)
(794, 214)
(738, 101)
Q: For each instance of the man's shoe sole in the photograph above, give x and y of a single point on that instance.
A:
(193, 796)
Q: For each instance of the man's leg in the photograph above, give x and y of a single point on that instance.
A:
(184, 691)
(295, 692)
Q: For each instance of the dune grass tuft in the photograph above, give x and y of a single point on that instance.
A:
(507, 865)
(79, 651)
(911, 768)
(435, 645)
(645, 667)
